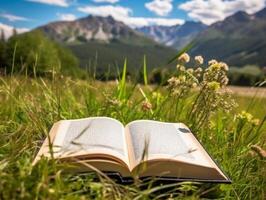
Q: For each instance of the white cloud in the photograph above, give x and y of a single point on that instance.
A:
(8, 30)
(13, 18)
(66, 17)
(105, 1)
(124, 14)
(118, 12)
(210, 11)
(144, 21)
(160, 7)
(62, 3)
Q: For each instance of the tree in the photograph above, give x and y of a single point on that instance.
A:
(14, 32)
(2, 50)
(3, 38)
(37, 53)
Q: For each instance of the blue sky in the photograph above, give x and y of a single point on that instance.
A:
(28, 14)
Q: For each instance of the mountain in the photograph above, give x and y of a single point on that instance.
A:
(93, 28)
(105, 42)
(261, 14)
(161, 34)
(175, 36)
(238, 40)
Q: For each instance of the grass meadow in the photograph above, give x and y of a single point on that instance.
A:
(231, 127)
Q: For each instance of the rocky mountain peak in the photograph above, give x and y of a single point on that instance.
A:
(89, 28)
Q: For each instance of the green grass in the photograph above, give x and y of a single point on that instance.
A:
(30, 106)
(254, 105)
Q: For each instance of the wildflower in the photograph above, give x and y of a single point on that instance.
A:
(245, 116)
(225, 81)
(182, 78)
(51, 190)
(178, 67)
(199, 60)
(146, 106)
(198, 70)
(184, 58)
(156, 95)
(182, 68)
(176, 92)
(173, 81)
(255, 122)
(194, 85)
(224, 66)
(215, 67)
(190, 70)
(212, 62)
(113, 102)
(214, 85)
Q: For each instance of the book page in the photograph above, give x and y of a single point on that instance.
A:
(155, 140)
(91, 136)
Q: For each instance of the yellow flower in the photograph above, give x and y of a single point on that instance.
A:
(214, 85)
(246, 116)
(182, 78)
(156, 95)
(184, 58)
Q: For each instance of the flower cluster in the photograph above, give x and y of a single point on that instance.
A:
(247, 117)
(216, 73)
(188, 78)
(209, 81)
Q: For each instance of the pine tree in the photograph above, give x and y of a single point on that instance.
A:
(14, 32)
(3, 38)
(2, 50)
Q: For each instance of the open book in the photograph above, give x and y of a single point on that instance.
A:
(142, 148)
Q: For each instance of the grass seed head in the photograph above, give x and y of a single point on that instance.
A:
(146, 106)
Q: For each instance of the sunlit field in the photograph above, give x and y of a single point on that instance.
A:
(231, 126)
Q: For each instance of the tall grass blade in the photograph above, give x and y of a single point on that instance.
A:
(122, 82)
(13, 60)
(145, 75)
(185, 49)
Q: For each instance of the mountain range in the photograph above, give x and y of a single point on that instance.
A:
(105, 42)
(239, 40)
(176, 36)
(94, 28)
